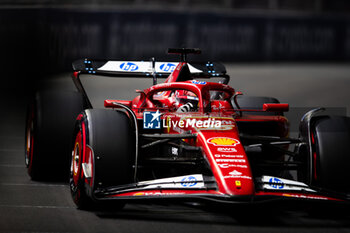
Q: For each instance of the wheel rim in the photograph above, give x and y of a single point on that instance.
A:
(76, 159)
(29, 142)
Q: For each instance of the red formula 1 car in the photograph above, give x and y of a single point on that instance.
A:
(185, 139)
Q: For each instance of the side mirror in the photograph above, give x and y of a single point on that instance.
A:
(275, 107)
(236, 94)
(110, 103)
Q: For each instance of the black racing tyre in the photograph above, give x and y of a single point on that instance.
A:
(255, 102)
(331, 155)
(49, 126)
(77, 178)
(111, 138)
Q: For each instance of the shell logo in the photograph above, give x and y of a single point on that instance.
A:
(221, 141)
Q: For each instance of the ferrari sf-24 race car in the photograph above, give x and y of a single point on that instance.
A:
(186, 138)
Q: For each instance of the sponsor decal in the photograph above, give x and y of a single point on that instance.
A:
(144, 66)
(227, 149)
(199, 82)
(227, 124)
(276, 183)
(227, 165)
(223, 141)
(194, 181)
(157, 193)
(151, 120)
(228, 156)
(129, 66)
(217, 108)
(270, 182)
(238, 177)
(304, 196)
(174, 151)
(235, 173)
(230, 160)
(139, 194)
(167, 67)
(189, 181)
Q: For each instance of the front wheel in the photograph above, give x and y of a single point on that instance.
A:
(103, 154)
(331, 158)
(77, 179)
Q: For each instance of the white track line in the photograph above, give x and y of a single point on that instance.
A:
(38, 206)
(12, 165)
(11, 150)
(38, 185)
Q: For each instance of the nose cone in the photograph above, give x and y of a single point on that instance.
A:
(228, 162)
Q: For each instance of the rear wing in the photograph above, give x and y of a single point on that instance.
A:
(139, 69)
(145, 68)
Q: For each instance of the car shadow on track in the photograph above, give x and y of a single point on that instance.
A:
(259, 216)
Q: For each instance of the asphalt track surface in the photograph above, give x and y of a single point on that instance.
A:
(28, 206)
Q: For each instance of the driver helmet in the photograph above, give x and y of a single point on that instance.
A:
(186, 101)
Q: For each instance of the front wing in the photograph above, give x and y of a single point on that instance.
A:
(198, 187)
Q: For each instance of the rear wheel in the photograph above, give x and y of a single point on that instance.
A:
(331, 156)
(105, 146)
(49, 126)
